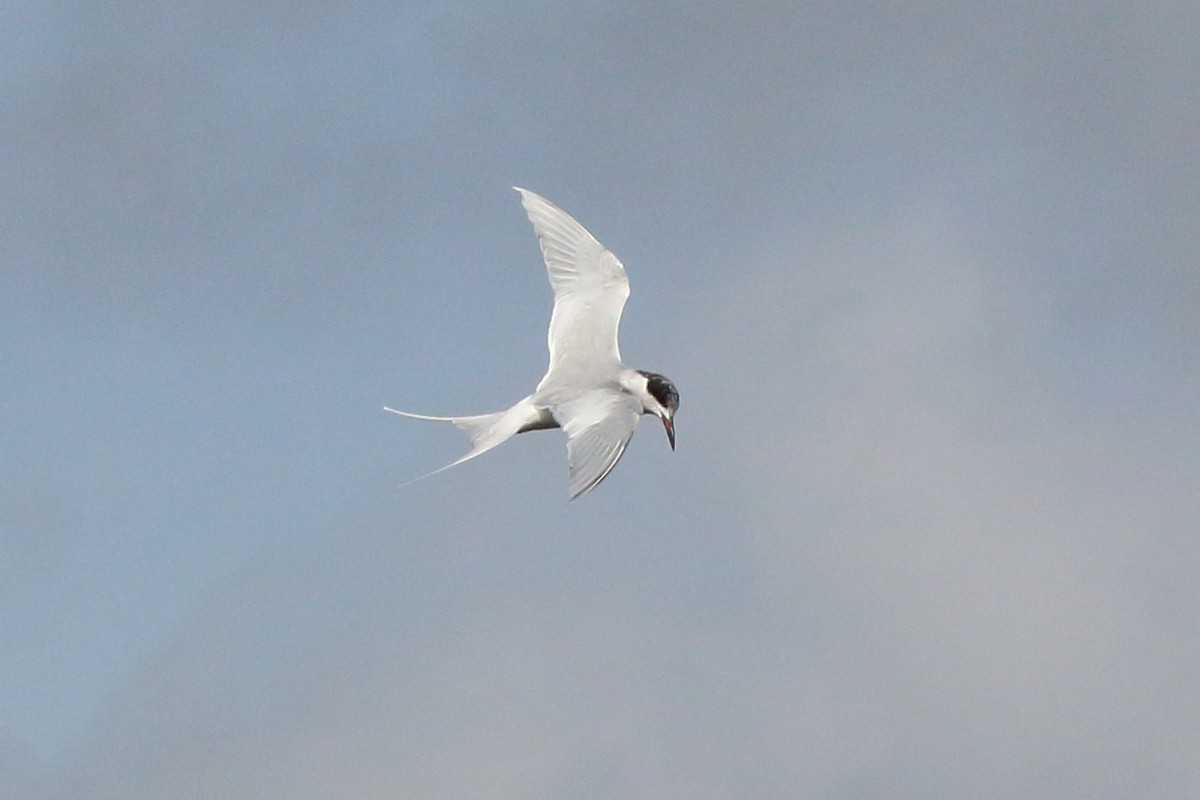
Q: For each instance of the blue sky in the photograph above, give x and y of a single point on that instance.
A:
(925, 276)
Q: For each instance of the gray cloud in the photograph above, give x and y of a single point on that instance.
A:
(923, 276)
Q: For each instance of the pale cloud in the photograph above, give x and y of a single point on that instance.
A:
(922, 277)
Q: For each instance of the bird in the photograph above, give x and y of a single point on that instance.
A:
(587, 390)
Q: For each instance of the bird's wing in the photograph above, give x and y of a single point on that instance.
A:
(590, 289)
(599, 425)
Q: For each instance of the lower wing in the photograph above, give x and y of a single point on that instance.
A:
(599, 425)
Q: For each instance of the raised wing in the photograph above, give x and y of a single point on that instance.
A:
(590, 289)
(599, 425)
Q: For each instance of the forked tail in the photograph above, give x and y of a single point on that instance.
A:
(484, 430)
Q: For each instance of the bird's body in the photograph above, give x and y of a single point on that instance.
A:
(586, 391)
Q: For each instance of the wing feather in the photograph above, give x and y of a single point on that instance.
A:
(599, 425)
(590, 289)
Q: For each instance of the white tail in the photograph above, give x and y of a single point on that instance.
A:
(484, 430)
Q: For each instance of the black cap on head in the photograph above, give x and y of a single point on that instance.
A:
(662, 390)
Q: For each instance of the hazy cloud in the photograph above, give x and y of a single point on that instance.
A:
(924, 276)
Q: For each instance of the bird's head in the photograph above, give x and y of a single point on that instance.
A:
(663, 401)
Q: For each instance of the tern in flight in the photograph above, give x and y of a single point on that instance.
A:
(587, 391)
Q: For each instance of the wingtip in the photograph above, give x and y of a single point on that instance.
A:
(529, 196)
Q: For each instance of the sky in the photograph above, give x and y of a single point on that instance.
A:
(925, 275)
